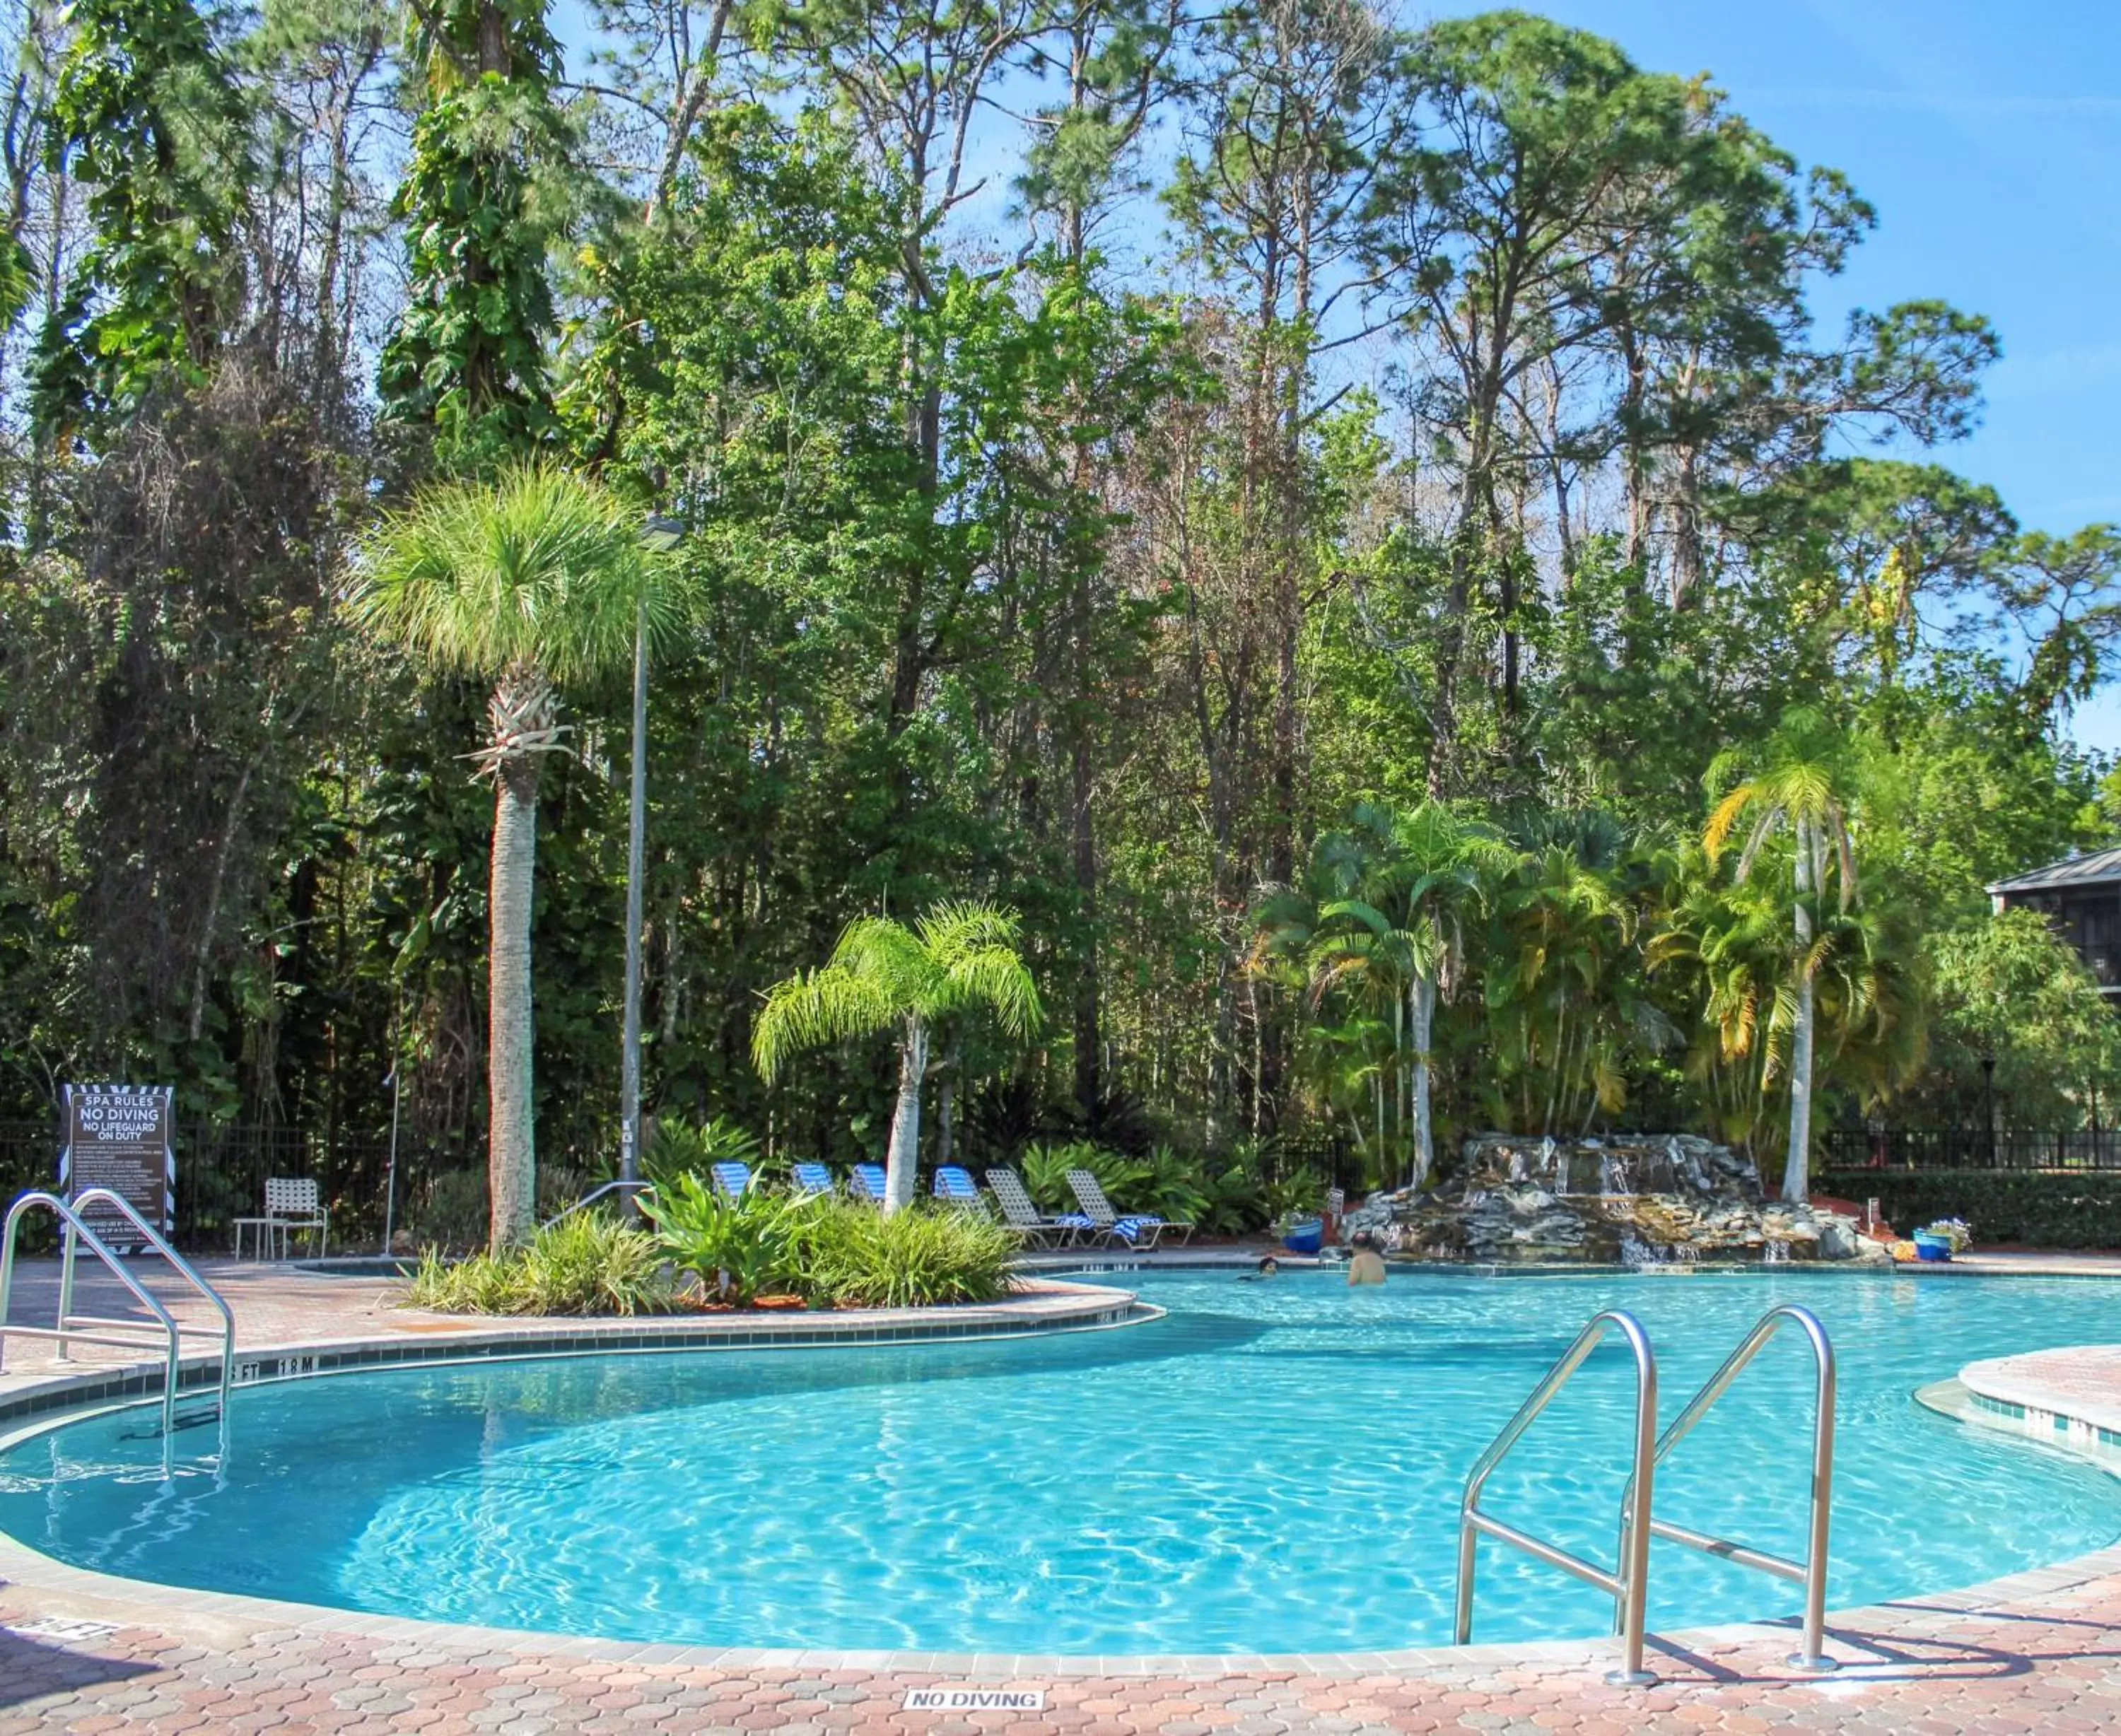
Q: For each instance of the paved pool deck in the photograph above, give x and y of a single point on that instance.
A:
(2040, 1651)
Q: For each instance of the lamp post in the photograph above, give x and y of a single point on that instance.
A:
(661, 535)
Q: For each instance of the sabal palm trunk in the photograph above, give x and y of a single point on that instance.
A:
(1797, 1179)
(1422, 1014)
(522, 715)
(905, 1156)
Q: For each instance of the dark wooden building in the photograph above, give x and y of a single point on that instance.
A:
(2082, 897)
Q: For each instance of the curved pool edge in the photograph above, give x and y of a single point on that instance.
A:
(1050, 1305)
(2067, 1398)
(134, 1603)
(68, 1592)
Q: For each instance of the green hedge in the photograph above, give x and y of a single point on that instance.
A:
(2036, 1208)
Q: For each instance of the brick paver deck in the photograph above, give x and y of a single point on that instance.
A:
(2041, 1655)
(2041, 1651)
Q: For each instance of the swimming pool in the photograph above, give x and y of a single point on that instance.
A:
(1270, 1468)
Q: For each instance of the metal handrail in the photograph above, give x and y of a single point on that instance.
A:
(596, 1194)
(1810, 1573)
(178, 1263)
(1628, 1581)
(76, 1227)
(65, 1327)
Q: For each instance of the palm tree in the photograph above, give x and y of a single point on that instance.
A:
(1801, 788)
(1559, 1002)
(1731, 949)
(1437, 866)
(1321, 939)
(1383, 911)
(958, 957)
(537, 578)
(1739, 961)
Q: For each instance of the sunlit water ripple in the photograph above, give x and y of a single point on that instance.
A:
(1272, 1468)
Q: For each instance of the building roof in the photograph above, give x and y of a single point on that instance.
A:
(2101, 867)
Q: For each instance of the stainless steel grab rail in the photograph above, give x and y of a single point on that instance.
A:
(1810, 1573)
(627, 1188)
(68, 1326)
(1628, 1581)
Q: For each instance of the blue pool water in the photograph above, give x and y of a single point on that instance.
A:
(1272, 1468)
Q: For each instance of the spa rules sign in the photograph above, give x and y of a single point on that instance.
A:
(122, 1138)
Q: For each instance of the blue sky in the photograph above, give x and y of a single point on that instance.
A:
(1987, 134)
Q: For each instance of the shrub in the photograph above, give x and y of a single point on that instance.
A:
(677, 1149)
(736, 1248)
(831, 1252)
(453, 1212)
(1224, 1198)
(587, 1263)
(850, 1255)
(2034, 1207)
(1171, 1186)
(1236, 1203)
(1125, 1179)
(1294, 1193)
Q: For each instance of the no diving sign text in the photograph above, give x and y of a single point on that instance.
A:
(975, 1700)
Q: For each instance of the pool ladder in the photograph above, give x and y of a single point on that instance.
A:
(160, 1333)
(1628, 1581)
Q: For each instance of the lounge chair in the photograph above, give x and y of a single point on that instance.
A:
(812, 1178)
(733, 1179)
(1018, 1211)
(866, 1181)
(1141, 1230)
(955, 1186)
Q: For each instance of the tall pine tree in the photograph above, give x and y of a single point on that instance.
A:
(148, 115)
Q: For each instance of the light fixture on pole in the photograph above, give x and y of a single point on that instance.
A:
(660, 535)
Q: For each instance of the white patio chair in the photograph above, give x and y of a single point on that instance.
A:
(292, 1203)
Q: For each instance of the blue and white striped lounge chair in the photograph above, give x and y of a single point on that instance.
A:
(812, 1178)
(955, 1186)
(866, 1182)
(1139, 1230)
(733, 1179)
(1022, 1215)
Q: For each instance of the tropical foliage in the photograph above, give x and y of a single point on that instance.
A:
(1336, 558)
(851, 1255)
(583, 1264)
(959, 960)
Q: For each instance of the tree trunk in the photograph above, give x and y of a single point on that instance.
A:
(637, 827)
(1089, 1027)
(905, 1120)
(1797, 1179)
(946, 1099)
(1423, 1011)
(511, 1148)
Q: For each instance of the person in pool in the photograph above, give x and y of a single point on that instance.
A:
(1366, 1265)
(1268, 1266)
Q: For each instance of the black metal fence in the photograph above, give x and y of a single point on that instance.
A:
(221, 1171)
(1970, 1148)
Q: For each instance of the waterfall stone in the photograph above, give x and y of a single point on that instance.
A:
(1652, 1199)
